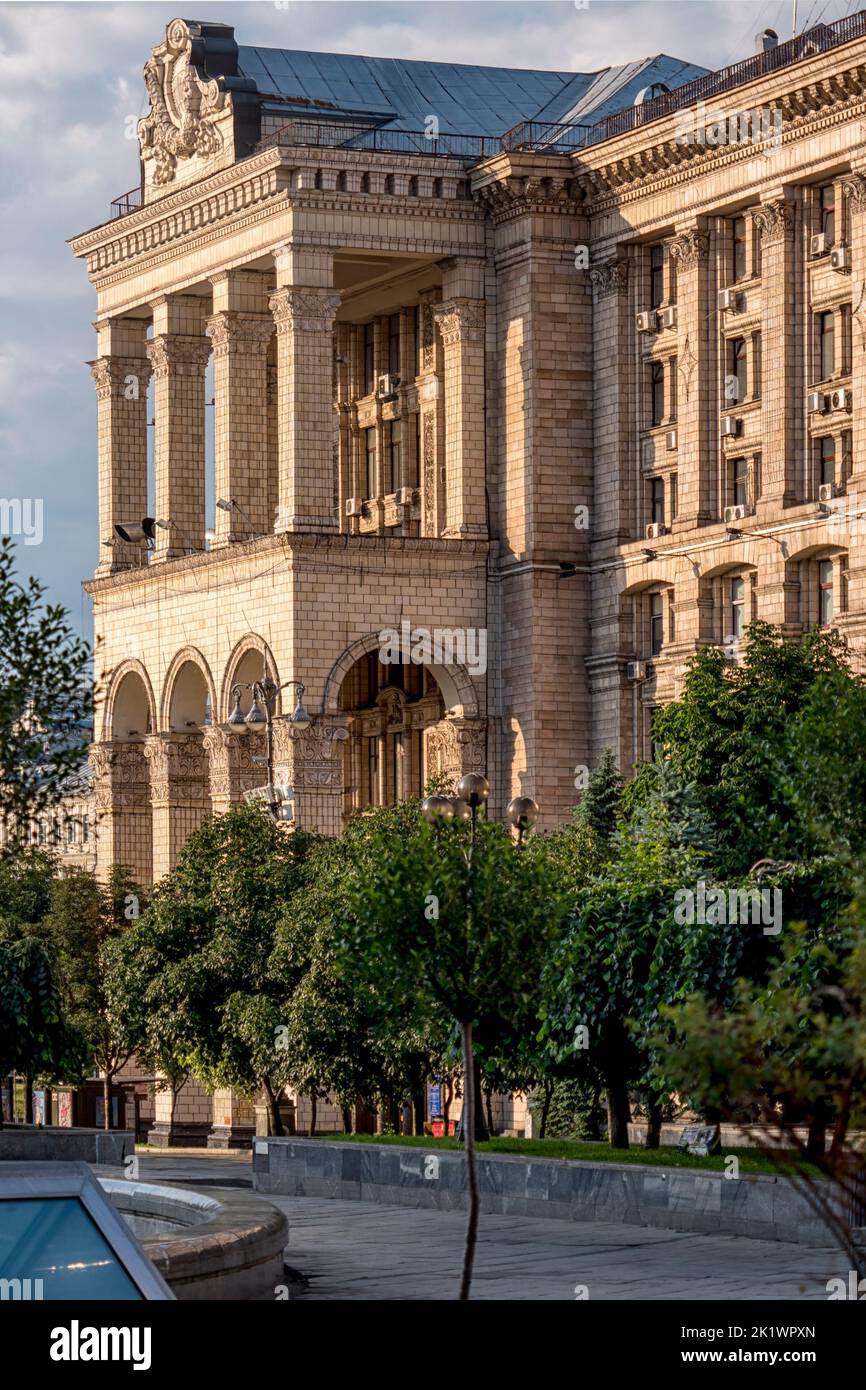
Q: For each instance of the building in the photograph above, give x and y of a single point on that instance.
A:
(550, 378)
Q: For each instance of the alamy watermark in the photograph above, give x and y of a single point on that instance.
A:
(438, 646)
(729, 906)
(22, 516)
(702, 125)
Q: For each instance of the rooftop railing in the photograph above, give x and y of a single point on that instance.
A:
(353, 136)
(126, 202)
(536, 136)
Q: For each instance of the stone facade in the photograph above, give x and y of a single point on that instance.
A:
(599, 401)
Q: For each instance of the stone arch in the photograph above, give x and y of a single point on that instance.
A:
(243, 655)
(455, 682)
(187, 690)
(129, 703)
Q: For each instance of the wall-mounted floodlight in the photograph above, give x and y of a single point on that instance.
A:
(137, 532)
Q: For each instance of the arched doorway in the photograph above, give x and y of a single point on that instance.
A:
(388, 710)
(121, 778)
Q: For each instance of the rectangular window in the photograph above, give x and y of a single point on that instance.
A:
(657, 501)
(738, 482)
(657, 392)
(738, 607)
(827, 459)
(395, 446)
(827, 206)
(369, 359)
(672, 368)
(738, 237)
(373, 771)
(370, 460)
(756, 365)
(735, 386)
(845, 325)
(675, 495)
(826, 345)
(394, 344)
(656, 623)
(657, 275)
(825, 592)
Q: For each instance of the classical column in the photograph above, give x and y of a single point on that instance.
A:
(304, 305)
(234, 1120)
(613, 397)
(431, 403)
(854, 190)
(122, 373)
(312, 763)
(124, 828)
(461, 326)
(231, 768)
(455, 746)
(179, 354)
(782, 391)
(180, 794)
(240, 337)
(697, 425)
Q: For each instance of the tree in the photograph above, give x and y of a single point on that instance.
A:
(35, 1038)
(83, 919)
(599, 805)
(447, 924)
(45, 700)
(200, 954)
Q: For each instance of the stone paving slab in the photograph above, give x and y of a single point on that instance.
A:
(350, 1251)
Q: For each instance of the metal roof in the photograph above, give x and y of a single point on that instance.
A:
(466, 99)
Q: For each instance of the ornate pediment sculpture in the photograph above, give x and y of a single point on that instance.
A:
(184, 102)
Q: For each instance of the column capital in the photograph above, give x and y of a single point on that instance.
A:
(689, 248)
(854, 187)
(610, 277)
(774, 220)
(180, 354)
(229, 328)
(304, 308)
(126, 377)
(460, 320)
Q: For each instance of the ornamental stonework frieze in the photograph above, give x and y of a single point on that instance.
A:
(120, 776)
(689, 248)
(229, 329)
(460, 321)
(124, 377)
(178, 767)
(310, 310)
(184, 105)
(178, 354)
(774, 221)
(515, 196)
(610, 277)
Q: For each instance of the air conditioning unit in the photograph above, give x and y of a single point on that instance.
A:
(386, 387)
(840, 258)
(733, 514)
(840, 399)
(732, 427)
(655, 530)
(827, 491)
(668, 317)
(671, 439)
(646, 322)
(729, 300)
(403, 497)
(636, 671)
(354, 506)
(819, 244)
(816, 403)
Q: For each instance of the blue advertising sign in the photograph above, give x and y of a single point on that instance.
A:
(435, 1101)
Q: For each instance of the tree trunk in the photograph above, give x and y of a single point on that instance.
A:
(347, 1119)
(314, 1106)
(106, 1100)
(471, 1174)
(545, 1109)
(654, 1124)
(840, 1124)
(419, 1109)
(446, 1104)
(274, 1102)
(816, 1140)
(617, 1112)
(488, 1108)
(28, 1098)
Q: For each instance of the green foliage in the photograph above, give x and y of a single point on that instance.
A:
(599, 805)
(44, 699)
(34, 1036)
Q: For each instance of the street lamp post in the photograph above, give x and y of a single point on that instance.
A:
(260, 717)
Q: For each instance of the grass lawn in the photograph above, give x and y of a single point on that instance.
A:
(751, 1161)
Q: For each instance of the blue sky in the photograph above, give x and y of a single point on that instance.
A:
(70, 80)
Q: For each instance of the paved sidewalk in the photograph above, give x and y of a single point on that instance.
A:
(362, 1251)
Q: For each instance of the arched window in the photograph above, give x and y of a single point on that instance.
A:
(341, 181)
